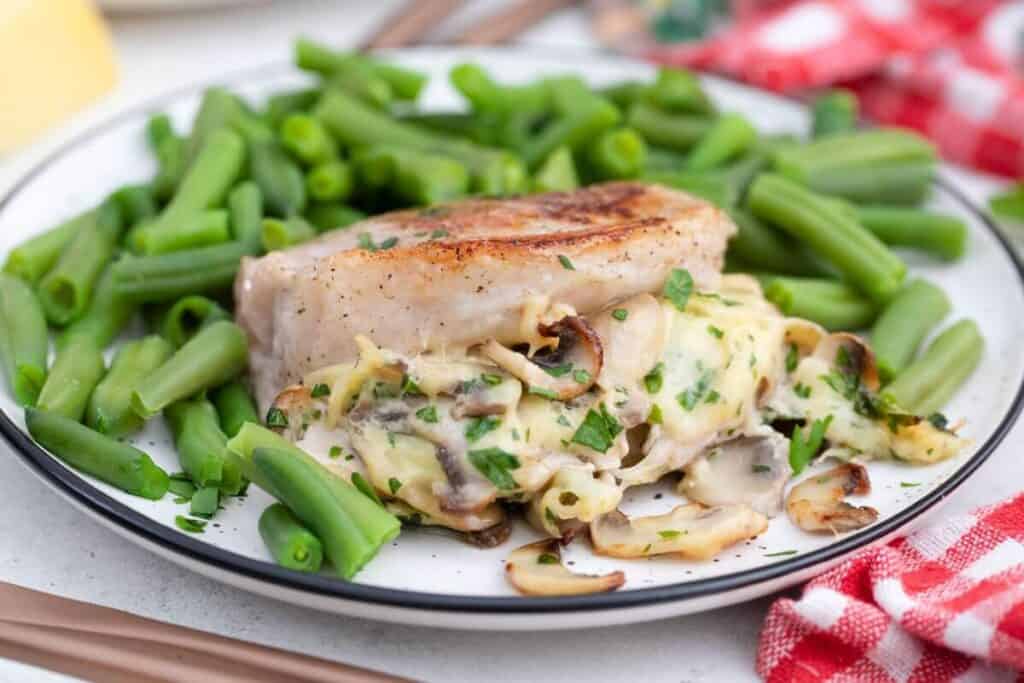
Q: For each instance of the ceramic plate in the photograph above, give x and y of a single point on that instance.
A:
(433, 579)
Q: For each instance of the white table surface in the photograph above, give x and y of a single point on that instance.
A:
(47, 545)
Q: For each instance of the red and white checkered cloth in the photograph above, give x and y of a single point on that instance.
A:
(943, 604)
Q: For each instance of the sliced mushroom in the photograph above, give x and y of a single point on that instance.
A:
(574, 493)
(661, 455)
(566, 372)
(752, 470)
(491, 537)
(536, 569)
(298, 408)
(850, 354)
(816, 503)
(632, 335)
(691, 531)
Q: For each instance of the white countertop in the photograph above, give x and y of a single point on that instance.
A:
(47, 545)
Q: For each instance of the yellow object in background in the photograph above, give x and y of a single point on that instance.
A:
(55, 57)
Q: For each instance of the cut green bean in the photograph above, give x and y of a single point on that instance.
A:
(282, 105)
(624, 93)
(217, 111)
(166, 277)
(729, 136)
(931, 380)
(938, 234)
(76, 371)
(484, 94)
(575, 130)
(171, 152)
(290, 543)
(856, 253)
(23, 339)
(678, 132)
(214, 355)
(306, 138)
(557, 173)
(66, 290)
(187, 316)
(280, 179)
(831, 304)
(281, 234)
(190, 231)
(202, 446)
(330, 182)
(618, 154)
(762, 247)
(113, 462)
(106, 317)
(679, 90)
(715, 189)
(31, 259)
(903, 325)
(417, 177)
(405, 83)
(109, 410)
(235, 406)
(136, 203)
(331, 216)
(245, 206)
(834, 112)
(1009, 204)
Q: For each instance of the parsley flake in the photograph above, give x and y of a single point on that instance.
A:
(654, 379)
(542, 392)
(428, 414)
(715, 332)
(655, 417)
(547, 558)
(581, 376)
(691, 397)
(494, 463)
(801, 451)
(364, 487)
(394, 485)
(479, 426)
(792, 358)
(782, 553)
(566, 263)
(277, 418)
(559, 370)
(598, 430)
(669, 534)
(192, 526)
(491, 379)
(620, 314)
(334, 452)
(678, 287)
(319, 391)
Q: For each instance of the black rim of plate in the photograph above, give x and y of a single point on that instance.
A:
(79, 490)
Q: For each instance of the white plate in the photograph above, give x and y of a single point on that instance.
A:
(431, 579)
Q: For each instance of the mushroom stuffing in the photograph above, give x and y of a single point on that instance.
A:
(714, 389)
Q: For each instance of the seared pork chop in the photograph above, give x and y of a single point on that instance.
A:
(461, 273)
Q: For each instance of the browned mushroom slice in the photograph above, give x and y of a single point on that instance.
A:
(536, 569)
(804, 335)
(297, 409)
(850, 354)
(750, 469)
(816, 503)
(566, 372)
(691, 531)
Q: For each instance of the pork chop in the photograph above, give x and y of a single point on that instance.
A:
(460, 273)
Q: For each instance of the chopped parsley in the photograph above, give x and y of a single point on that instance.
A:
(365, 241)
(598, 430)
(384, 390)
(694, 395)
(491, 379)
(438, 234)
(192, 526)
(566, 263)
(713, 397)
(669, 534)
(276, 418)
(547, 558)
(391, 439)
(364, 487)
(495, 464)
(620, 314)
(394, 485)
(715, 332)
(559, 370)
(802, 390)
(410, 387)
(654, 379)
(205, 501)
(581, 376)
(542, 392)
(427, 414)
(549, 516)
(479, 426)
(655, 417)
(334, 452)
(909, 484)
(759, 469)
(564, 421)
(678, 287)
(801, 451)
(782, 553)
(792, 358)
(319, 391)
(939, 421)
(182, 489)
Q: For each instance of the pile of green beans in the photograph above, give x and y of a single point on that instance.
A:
(815, 222)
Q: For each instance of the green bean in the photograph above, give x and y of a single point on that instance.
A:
(235, 406)
(76, 371)
(417, 177)
(292, 545)
(679, 90)
(279, 178)
(728, 137)
(661, 160)
(136, 203)
(23, 339)
(405, 83)
(106, 317)
(281, 234)
(113, 462)
(216, 354)
(473, 126)
(883, 165)
(619, 153)
(190, 231)
(571, 94)
(484, 94)
(217, 111)
(202, 446)
(329, 182)
(856, 253)
(715, 189)
(307, 139)
(938, 234)
(245, 206)
(677, 132)
(557, 173)
(109, 410)
(903, 325)
(31, 259)
(831, 304)
(762, 247)
(171, 276)
(835, 111)
(171, 152)
(1009, 204)
(187, 316)
(65, 291)
(575, 130)
(282, 105)
(930, 381)
(624, 93)
(331, 216)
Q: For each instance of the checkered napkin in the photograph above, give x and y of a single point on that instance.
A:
(943, 604)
